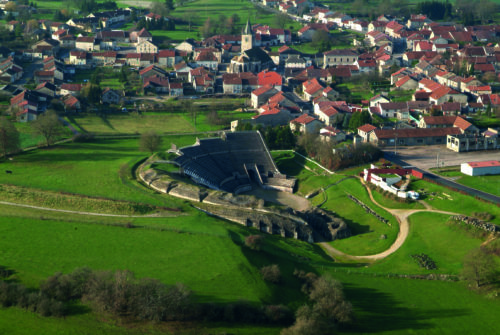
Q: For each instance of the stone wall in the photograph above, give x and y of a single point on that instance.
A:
(483, 225)
(315, 225)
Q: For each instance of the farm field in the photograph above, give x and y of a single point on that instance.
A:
(490, 184)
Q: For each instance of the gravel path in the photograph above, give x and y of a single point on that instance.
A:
(78, 212)
(401, 216)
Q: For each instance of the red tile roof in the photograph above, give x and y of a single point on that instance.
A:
(483, 164)
(303, 119)
(367, 128)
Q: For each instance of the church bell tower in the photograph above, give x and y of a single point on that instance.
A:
(247, 38)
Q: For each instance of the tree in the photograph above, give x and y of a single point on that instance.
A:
(359, 119)
(479, 267)
(321, 40)
(10, 6)
(9, 137)
(123, 76)
(281, 20)
(328, 309)
(254, 242)
(160, 9)
(150, 141)
(271, 273)
(48, 126)
(169, 4)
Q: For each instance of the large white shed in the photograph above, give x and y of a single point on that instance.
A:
(480, 168)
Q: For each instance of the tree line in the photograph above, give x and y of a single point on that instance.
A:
(122, 294)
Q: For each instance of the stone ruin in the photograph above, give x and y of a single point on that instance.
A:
(483, 225)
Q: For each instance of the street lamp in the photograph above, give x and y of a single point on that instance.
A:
(396, 139)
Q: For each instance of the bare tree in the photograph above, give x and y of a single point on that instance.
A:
(150, 141)
(48, 126)
(479, 267)
(9, 137)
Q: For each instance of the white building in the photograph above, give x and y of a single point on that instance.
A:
(480, 168)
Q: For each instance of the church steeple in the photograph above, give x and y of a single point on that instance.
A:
(248, 28)
(247, 37)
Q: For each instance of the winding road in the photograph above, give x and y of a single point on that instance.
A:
(401, 216)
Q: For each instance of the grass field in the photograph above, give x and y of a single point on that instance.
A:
(443, 198)
(27, 137)
(391, 203)
(490, 184)
(367, 230)
(206, 253)
(430, 233)
(86, 168)
(133, 124)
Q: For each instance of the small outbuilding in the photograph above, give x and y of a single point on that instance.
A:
(480, 168)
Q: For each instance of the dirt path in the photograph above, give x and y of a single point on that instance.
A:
(80, 212)
(401, 216)
(283, 198)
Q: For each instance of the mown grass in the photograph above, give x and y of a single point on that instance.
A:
(367, 230)
(445, 199)
(90, 169)
(394, 204)
(431, 234)
(133, 124)
(490, 184)
(403, 306)
(27, 137)
(206, 253)
(48, 199)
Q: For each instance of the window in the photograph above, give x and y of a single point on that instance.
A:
(420, 141)
(438, 140)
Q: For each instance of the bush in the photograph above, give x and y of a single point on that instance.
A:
(278, 314)
(485, 216)
(424, 261)
(254, 242)
(81, 138)
(271, 273)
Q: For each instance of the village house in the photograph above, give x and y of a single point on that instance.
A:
(306, 124)
(110, 96)
(261, 95)
(67, 88)
(331, 134)
(146, 46)
(411, 137)
(339, 57)
(365, 130)
(448, 121)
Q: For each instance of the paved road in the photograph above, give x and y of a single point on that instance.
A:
(446, 182)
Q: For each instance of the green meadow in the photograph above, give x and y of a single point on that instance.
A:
(490, 184)
(209, 256)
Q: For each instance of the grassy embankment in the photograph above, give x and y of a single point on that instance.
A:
(490, 184)
(206, 253)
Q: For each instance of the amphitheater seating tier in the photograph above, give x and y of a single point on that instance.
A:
(211, 161)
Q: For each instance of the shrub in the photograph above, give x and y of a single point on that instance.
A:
(424, 261)
(271, 273)
(254, 242)
(278, 314)
(485, 216)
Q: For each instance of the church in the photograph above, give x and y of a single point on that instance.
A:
(252, 58)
